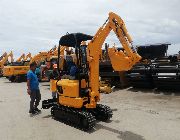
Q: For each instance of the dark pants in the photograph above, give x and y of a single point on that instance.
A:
(35, 99)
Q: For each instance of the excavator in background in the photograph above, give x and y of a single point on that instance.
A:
(47, 68)
(17, 73)
(19, 65)
(18, 61)
(4, 54)
(28, 57)
(77, 100)
(53, 49)
(109, 78)
(21, 58)
(4, 61)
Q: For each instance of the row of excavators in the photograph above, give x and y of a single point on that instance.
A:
(97, 70)
(16, 71)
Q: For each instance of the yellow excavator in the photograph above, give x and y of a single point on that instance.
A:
(17, 68)
(3, 55)
(28, 57)
(4, 61)
(77, 99)
(21, 58)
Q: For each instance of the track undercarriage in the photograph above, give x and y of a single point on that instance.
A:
(82, 118)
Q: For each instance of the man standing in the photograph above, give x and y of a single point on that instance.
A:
(33, 89)
(54, 75)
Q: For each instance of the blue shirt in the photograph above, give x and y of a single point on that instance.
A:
(32, 77)
(37, 71)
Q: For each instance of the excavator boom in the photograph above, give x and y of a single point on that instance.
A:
(21, 70)
(28, 56)
(21, 58)
(120, 60)
(5, 59)
(2, 56)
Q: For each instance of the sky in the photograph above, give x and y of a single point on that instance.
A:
(36, 25)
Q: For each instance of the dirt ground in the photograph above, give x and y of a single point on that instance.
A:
(137, 115)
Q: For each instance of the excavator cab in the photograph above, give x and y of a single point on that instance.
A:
(74, 40)
(78, 86)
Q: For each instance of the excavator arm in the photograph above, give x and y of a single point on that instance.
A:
(63, 48)
(2, 56)
(53, 49)
(42, 56)
(22, 57)
(5, 59)
(28, 56)
(121, 60)
(115, 23)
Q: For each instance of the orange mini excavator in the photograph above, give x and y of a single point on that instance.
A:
(77, 101)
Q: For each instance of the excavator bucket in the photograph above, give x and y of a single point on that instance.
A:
(119, 60)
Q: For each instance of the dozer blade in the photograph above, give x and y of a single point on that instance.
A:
(46, 104)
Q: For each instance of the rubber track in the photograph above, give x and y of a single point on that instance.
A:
(103, 112)
(73, 117)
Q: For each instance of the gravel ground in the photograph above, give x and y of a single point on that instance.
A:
(138, 115)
